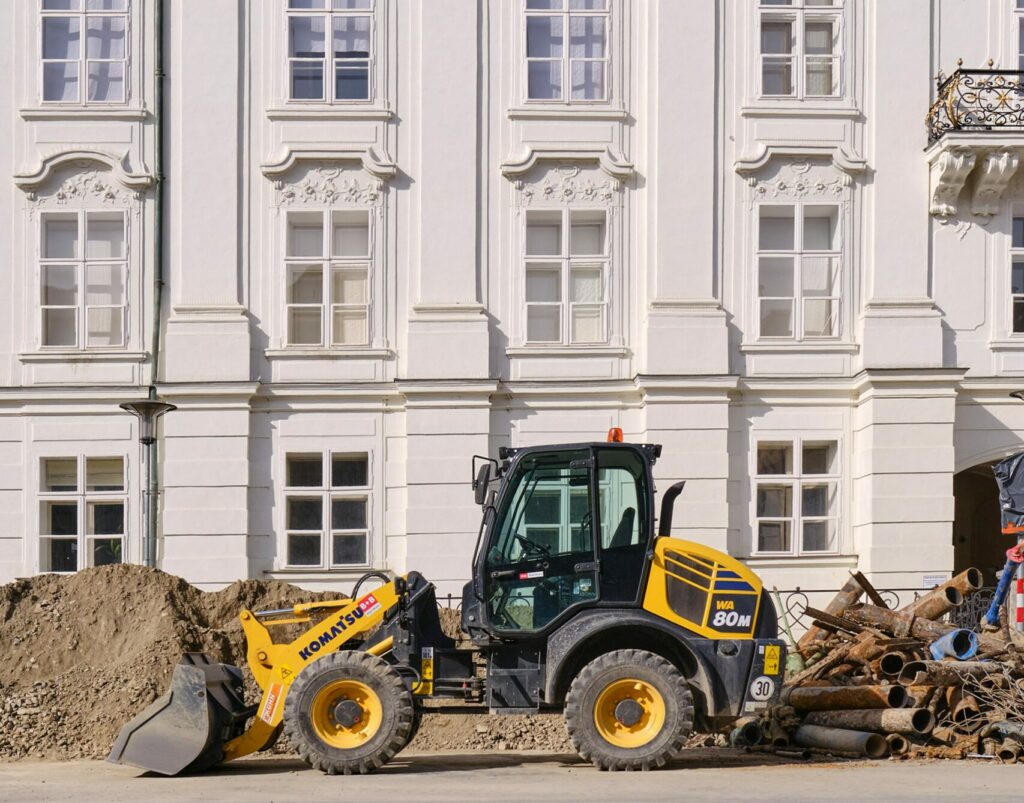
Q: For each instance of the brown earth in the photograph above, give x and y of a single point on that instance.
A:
(84, 653)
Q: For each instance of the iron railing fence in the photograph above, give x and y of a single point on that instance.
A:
(977, 100)
(795, 602)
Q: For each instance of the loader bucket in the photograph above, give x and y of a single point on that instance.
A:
(185, 730)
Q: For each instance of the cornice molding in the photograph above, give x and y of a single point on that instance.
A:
(843, 157)
(382, 167)
(121, 171)
(523, 159)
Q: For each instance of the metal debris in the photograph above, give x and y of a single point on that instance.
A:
(871, 685)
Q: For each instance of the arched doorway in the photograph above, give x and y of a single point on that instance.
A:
(977, 537)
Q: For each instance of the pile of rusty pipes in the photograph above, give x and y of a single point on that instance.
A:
(882, 682)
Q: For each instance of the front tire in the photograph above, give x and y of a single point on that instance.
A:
(629, 710)
(347, 713)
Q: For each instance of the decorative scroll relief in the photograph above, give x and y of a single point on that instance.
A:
(569, 184)
(947, 175)
(89, 188)
(798, 180)
(93, 186)
(330, 186)
(992, 178)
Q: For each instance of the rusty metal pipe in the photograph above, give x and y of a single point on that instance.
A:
(847, 596)
(777, 735)
(748, 732)
(920, 721)
(936, 603)
(898, 745)
(918, 696)
(840, 698)
(901, 623)
(945, 673)
(1009, 751)
(943, 597)
(891, 664)
(860, 743)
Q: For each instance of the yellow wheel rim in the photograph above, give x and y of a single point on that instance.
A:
(635, 701)
(367, 717)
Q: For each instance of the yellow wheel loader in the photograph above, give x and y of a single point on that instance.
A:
(576, 604)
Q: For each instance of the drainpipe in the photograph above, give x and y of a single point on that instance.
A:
(151, 506)
(158, 197)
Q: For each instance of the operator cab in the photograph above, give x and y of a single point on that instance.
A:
(569, 528)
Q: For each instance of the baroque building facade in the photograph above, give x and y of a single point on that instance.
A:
(357, 242)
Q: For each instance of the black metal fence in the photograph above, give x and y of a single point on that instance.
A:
(977, 100)
(795, 602)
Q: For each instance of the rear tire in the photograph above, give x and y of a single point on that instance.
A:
(629, 710)
(347, 713)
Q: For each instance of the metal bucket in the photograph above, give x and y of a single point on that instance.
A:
(186, 729)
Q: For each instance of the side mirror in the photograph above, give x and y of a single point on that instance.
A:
(481, 483)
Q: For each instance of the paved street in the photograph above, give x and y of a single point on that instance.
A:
(493, 777)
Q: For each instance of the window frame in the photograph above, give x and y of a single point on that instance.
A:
(1015, 253)
(81, 263)
(327, 493)
(566, 99)
(796, 480)
(798, 13)
(566, 263)
(1017, 31)
(83, 498)
(329, 265)
(798, 254)
(329, 61)
(83, 14)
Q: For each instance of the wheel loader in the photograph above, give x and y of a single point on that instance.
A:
(576, 604)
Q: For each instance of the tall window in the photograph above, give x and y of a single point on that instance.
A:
(326, 497)
(82, 512)
(83, 42)
(798, 271)
(800, 48)
(82, 279)
(341, 73)
(797, 497)
(1017, 276)
(327, 267)
(560, 70)
(566, 275)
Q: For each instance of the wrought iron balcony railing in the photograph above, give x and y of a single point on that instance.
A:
(977, 100)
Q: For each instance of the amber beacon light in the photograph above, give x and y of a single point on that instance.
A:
(615, 435)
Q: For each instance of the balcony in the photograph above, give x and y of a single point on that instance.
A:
(976, 137)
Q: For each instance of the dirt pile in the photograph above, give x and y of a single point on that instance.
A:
(84, 653)
(493, 732)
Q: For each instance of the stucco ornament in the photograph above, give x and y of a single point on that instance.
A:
(322, 186)
(795, 180)
(569, 185)
(93, 186)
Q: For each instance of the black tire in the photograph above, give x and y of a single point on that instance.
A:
(396, 713)
(581, 703)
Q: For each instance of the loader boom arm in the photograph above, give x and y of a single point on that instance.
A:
(275, 666)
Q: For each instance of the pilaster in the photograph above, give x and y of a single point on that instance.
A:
(902, 474)
(447, 329)
(205, 479)
(207, 331)
(900, 326)
(685, 329)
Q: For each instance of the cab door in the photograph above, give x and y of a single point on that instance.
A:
(541, 562)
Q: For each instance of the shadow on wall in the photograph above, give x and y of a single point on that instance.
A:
(977, 537)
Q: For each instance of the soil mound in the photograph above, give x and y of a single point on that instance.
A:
(86, 652)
